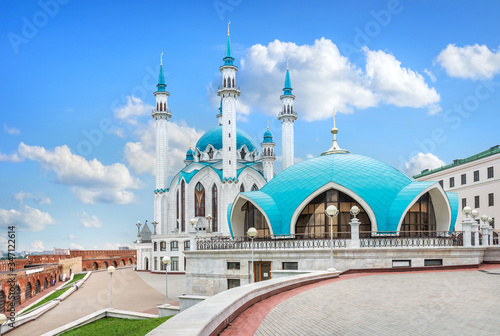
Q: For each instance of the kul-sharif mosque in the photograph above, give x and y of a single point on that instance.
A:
(228, 186)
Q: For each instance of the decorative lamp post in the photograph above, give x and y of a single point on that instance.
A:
(138, 228)
(166, 261)
(3, 318)
(490, 230)
(209, 219)
(485, 227)
(252, 233)
(354, 223)
(466, 226)
(331, 211)
(111, 270)
(155, 223)
(475, 227)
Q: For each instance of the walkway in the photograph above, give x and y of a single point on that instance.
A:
(176, 284)
(130, 292)
(463, 302)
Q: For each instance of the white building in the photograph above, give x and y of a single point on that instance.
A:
(224, 162)
(476, 179)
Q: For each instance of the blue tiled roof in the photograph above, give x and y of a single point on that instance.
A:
(161, 80)
(214, 138)
(387, 191)
(268, 137)
(189, 155)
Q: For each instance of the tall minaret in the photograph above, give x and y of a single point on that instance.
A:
(287, 116)
(268, 154)
(229, 94)
(161, 115)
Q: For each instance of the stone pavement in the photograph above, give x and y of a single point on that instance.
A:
(176, 284)
(130, 292)
(415, 303)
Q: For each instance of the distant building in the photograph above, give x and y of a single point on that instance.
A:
(476, 179)
(123, 248)
(60, 251)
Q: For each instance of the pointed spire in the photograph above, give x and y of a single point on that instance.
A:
(335, 147)
(161, 78)
(268, 125)
(228, 59)
(268, 137)
(287, 89)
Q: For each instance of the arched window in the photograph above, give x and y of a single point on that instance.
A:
(214, 209)
(163, 246)
(313, 221)
(242, 189)
(233, 82)
(155, 246)
(420, 218)
(178, 212)
(2, 301)
(164, 106)
(183, 206)
(199, 200)
(254, 187)
(211, 153)
(243, 153)
(156, 106)
(27, 293)
(224, 82)
(254, 218)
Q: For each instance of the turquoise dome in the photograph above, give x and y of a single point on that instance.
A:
(268, 137)
(214, 137)
(385, 189)
(189, 155)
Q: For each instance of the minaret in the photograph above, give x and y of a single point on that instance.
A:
(161, 115)
(268, 154)
(335, 149)
(219, 116)
(229, 94)
(287, 116)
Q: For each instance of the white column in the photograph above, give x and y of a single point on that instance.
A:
(475, 229)
(466, 227)
(485, 229)
(490, 235)
(161, 152)
(354, 223)
(229, 157)
(287, 142)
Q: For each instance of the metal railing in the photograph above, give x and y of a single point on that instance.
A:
(295, 241)
(222, 87)
(412, 239)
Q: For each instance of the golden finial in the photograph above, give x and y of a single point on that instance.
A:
(268, 125)
(161, 58)
(287, 59)
(228, 23)
(335, 147)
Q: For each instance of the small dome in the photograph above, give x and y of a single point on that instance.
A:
(214, 137)
(189, 155)
(268, 137)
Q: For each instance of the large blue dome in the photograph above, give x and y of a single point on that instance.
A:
(214, 137)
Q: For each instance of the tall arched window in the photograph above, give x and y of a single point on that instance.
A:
(313, 220)
(233, 82)
(183, 206)
(242, 189)
(254, 218)
(199, 200)
(254, 187)
(214, 209)
(420, 218)
(224, 82)
(211, 153)
(243, 153)
(177, 221)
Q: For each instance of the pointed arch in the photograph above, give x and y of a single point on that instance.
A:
(199, 200)
(254, 187)
(224, 82)
(183, 205)
(242, 187)
(215, 203)
(233, 82)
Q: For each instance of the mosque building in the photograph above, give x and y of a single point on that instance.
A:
(228, 186)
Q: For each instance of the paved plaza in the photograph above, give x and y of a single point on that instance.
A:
(176, 284)
(414, 303)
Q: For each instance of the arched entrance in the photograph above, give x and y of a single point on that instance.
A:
(114, 264)
(52, 282)
(37, 287)
(130, 261)
(146, 263)
(122, 262)
(45, 283)
(27, 292)
(95, 266)
(420, 218)
(2, 301)
(17, 295)
(313, 221)
(105, 265)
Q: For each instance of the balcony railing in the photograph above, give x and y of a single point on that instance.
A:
(340, 240)
(283, 113)
(236, 87)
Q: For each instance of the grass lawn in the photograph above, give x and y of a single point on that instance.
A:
(111, 326)
(57, 293)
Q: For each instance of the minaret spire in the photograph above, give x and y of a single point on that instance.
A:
(268, 154)
(335, 147)
(287, 116)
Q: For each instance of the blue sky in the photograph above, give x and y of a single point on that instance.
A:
(415, 84)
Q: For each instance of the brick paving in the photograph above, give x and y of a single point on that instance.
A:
(463, 302)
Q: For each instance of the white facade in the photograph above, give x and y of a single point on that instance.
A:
(479, 189)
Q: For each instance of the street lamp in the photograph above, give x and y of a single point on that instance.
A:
(354, 211)
(484, 218)
(252, 233)
(3, 318)
(466, 211)
(474, 213)
(166, 260)
(331, 211)
(111, 270)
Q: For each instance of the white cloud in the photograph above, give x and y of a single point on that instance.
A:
(422, 161)
(323, 79)
(3, 244)
(114, 246)
(473, 62)
(309, 156)
(134, 108)
(91, 180)
(90, 221)
(26, 219)
(38, 245)
(40, 199)
(74, 246)
(71, 236)
(431, 75)
(11, 130)
(140, 156)
(14, 157)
